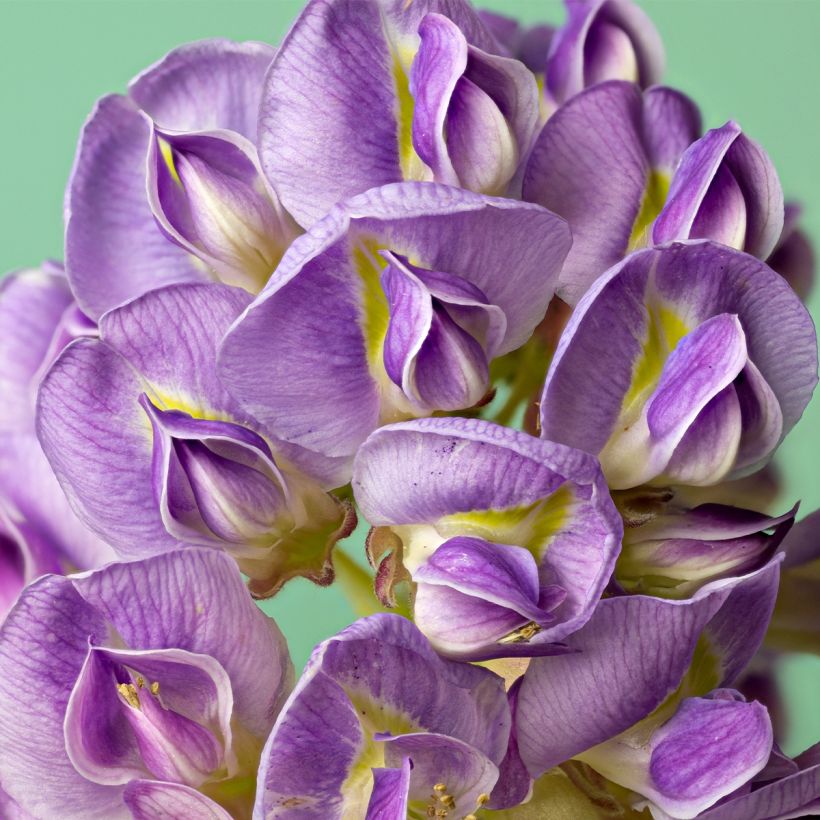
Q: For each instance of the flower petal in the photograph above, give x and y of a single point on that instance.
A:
(150, 799)
(114, 251)
(207, 84)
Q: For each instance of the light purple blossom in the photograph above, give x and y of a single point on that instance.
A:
(391, 307)
(201, 225)
(38, 531)
(603, 40)
(124, 692)
(379, 726)
(363, 93)
(509, 541)
(708, 361)
(154, 453)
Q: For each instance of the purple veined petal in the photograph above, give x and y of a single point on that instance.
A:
(673, 555)
(514, 785)
(87, 417)
(150, 799)
(437, 71)
(487, 592)
(475, 113)
(443, 465)
(762, 419)
(26, 553)
(388, 800)
(333, 270)
(709, 447)
(46, 636)
(589, 166)
(170, 337)
(790, 797)
(692, 182)
(603, 40)
(109, 224)
(210, 605)
(707, 750)
(32, 303)
(207, 84)
(164, 714)
(703, 364)
(645, 298)
(725, 189)
(324, 149)
(215, 481)
(614, 646)
(466, 774)
(209, 196)
(37, 499)
(672, 122)
(377, 679)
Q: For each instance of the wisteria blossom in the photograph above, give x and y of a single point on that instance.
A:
(403, 280)
(508, 541)
(392, 729)
(184, 464)
(715, 361)
(124, 692)
(151, 204)
(38, 531)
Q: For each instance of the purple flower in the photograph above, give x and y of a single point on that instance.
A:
(509, 541)
(367, 92)
(380, 727)
(38, 531)
(640, 656)
(686, 756)
(127, 689)
(391, 307)
(205, 193)
(603, 40)
(153, 452)
(604, 162)
(209, 196)
(725, 189)
(707, 360)
(671, 551)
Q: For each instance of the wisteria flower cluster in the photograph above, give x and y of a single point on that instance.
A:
(488, 290)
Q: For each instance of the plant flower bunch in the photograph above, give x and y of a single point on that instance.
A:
(492, 293)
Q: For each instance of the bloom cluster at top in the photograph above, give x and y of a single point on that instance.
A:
(488, 290)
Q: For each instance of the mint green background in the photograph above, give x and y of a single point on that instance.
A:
(756, 61)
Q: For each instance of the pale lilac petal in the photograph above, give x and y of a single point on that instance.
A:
(443, 466)
(708, 749)
(32, 303)
(328, 123)
(211, 606)
(672, 122)
(316, 293)
(206, 84)
(464, 770)
(697, 280)
(114, 251)
(45, 637)
(388, 800)
(589, 166)
(603, 40)
(636, 650)
(150, 800)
